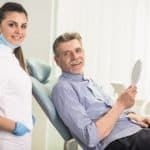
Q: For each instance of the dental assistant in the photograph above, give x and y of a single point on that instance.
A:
(15, 84)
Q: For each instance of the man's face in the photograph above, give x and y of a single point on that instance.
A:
(70, 57)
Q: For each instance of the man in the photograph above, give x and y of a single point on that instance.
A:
(86, 110)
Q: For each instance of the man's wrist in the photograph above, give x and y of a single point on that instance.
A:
(130, 112)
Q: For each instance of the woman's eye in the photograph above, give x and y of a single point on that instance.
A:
(11, 24)
(24, 26)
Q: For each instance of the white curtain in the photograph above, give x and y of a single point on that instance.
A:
(115, 34)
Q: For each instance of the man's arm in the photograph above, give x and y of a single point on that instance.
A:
(74, 115)
(108, 121)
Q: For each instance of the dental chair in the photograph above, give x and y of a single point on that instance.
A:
(41, 89)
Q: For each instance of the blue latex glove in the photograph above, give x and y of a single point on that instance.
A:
(20, 129)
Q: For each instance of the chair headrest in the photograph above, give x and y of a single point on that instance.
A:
(38, 69)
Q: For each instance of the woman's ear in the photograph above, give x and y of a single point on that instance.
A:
(0, 28)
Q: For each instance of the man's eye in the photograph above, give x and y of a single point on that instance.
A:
(66, 53)
(78, 50)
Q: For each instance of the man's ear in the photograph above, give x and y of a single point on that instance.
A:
(57, 60)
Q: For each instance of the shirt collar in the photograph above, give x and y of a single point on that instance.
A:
(73, 77)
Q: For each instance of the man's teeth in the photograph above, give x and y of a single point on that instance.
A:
(75, 62)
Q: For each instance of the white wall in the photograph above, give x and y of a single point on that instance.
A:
(115, 34)
(37, 43)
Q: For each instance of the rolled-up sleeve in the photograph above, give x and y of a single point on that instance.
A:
(74, 115)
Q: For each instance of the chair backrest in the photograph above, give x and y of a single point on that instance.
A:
(41, 88)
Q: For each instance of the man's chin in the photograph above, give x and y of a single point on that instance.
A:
(76, 72)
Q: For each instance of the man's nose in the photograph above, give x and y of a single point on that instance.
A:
(74, 55)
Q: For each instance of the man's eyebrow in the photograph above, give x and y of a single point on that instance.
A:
(65, 51)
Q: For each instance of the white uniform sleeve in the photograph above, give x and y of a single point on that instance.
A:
(3, 81)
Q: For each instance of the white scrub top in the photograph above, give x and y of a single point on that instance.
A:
(15, 100)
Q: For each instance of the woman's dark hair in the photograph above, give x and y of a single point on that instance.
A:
(14, 7)
(11, 7)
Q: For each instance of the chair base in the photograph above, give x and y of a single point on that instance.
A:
(71, 145)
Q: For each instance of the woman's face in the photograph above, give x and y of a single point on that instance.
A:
(13, 27)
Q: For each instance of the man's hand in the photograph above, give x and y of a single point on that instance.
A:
(142, 121)
(20, 129)
(147, 120)
(127, 98)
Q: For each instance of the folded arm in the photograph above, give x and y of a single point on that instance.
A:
(141, 120)
(106, 123)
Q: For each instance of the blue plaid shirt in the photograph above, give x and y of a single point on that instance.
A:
(80, 102)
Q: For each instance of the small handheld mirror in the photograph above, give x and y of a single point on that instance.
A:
(136, 71)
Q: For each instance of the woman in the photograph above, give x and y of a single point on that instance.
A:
(15, 85)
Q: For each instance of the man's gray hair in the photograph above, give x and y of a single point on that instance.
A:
(65, 37)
